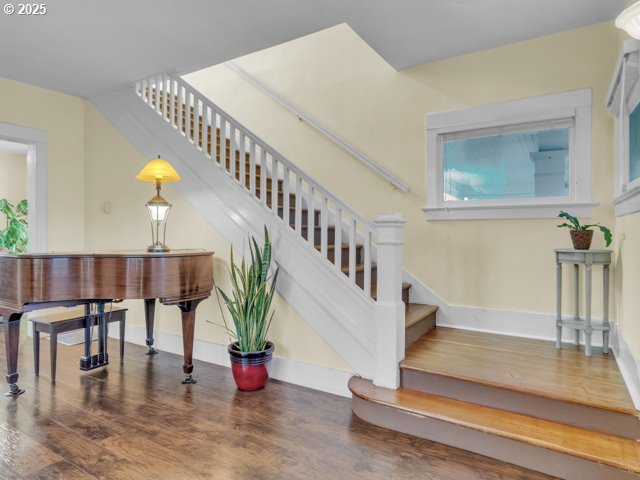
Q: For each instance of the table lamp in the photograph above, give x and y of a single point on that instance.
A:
(158, 171)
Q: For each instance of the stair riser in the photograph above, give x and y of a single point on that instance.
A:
(331, 254)
(304, 216)
(583, 416)
(360, 277)
(292, 198)
(511, 451)
(317, 235)
(417, 330)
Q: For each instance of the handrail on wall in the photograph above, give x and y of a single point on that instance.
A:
(395, 181)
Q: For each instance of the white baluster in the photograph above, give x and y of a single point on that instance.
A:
(174, 99)
(196, 121)
(209, 130)
(233, 148)
(180, 110)
(223, 142)
(144, 92)
(286, 207)
(263, 176)
(311, 231)
(367, 262)
(338, 239)
(243, 160)
(252, 168)
(158, 93)
(389, 328)
(165, 97)
(324, 225)
(274, 185)
(352, 250)
(298, 219)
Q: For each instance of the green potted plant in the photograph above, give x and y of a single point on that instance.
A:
(14, 238)
(581, 235)
(249, 303)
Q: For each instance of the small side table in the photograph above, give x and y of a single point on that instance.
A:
(588, 258)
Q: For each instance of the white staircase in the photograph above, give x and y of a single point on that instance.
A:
(351, 296)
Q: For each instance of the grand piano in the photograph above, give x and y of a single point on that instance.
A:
(34, 281)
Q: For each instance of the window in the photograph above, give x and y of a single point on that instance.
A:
(623, 102)
(522, 159)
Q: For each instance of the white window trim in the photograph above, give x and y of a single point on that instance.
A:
(626, 197)
(576, 104)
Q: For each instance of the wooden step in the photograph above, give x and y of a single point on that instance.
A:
(331, 253)
(269, 196)
(331, 232)
(419, 319)
(304, 216)
(525, 376)
(557, 449)
(360, 273)
(405, 292)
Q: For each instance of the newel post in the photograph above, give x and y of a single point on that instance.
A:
(389, 312)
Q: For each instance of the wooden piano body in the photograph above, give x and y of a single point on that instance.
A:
(34, 281)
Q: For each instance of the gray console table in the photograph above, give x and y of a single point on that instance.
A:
(588, 258)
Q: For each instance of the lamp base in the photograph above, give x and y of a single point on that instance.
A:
(158, 248)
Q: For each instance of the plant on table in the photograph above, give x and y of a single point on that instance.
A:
(581, 234)
(249, 303)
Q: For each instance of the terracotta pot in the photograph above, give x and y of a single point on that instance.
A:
(581, 239)
(250, 369)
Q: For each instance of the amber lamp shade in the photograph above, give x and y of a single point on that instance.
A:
(158, 171)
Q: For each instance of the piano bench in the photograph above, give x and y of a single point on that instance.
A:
(73, 319)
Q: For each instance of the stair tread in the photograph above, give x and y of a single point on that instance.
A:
(374, 289)
(594, 446)
(416, 312)
(535, 368)
(333, 247)
(359, 267)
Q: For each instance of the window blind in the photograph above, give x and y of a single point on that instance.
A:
(537, 126)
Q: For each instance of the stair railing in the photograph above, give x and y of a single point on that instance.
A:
(269, 177)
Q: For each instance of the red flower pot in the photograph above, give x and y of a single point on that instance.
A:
(250, 369)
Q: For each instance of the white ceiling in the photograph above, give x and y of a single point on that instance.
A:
(87, 47)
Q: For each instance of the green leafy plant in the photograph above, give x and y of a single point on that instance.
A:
(574, 224)
(14, 238)
(250, 297)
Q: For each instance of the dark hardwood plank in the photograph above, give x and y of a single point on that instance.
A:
(135, 420)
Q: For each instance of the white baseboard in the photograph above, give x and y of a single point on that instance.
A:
(535, 325)
(300, 373)
(628, 364)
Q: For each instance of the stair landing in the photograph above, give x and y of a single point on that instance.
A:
(525, 365)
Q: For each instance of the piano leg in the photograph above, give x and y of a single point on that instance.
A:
(11, 342)
(149, 315)
(188, 310)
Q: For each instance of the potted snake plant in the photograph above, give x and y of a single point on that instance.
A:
(249, 304)
(581, 234)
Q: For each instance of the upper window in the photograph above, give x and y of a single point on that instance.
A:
(623, 102)
(526, 158)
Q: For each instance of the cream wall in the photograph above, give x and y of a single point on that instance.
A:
(110, 170)
(62, 118)
(341, 82)
(13, 177)
(627, 271)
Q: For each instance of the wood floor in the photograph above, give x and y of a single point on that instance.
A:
(136, 421)
(534, 366)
